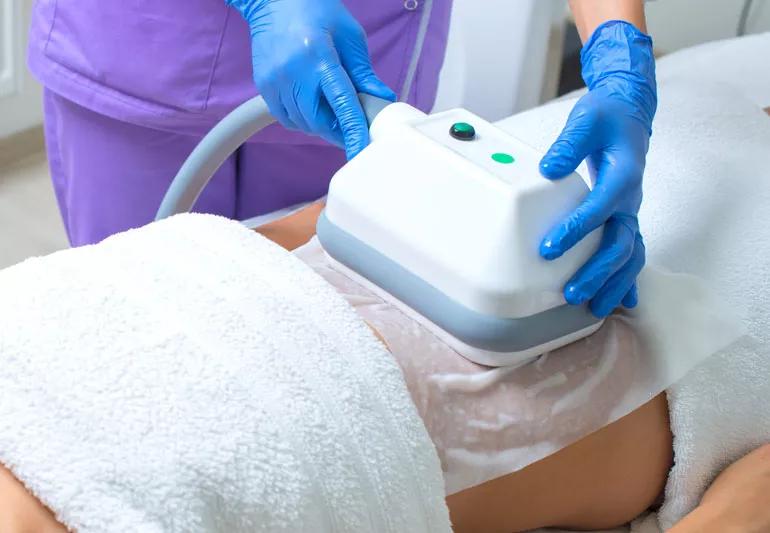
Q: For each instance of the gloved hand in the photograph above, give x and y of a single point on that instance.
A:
(310, 59)
(610, 127)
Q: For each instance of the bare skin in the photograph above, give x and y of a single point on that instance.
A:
(737, 501)
(584, 486)
(590, 14)
(603, 480)
(20, 512)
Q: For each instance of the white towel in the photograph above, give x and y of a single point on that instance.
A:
(706, 212)
(740, 63)
(718, 414)
(192, 376)
(707, 192)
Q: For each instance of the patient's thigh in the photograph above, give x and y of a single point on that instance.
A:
(603, 480)
(20, 512)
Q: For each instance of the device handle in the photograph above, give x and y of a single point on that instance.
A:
(221, 142)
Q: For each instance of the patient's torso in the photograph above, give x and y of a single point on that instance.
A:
(486, 422)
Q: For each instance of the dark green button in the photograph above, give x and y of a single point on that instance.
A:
(505, 159)
(463, 131)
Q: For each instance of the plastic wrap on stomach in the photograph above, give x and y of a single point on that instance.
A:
(490, 422)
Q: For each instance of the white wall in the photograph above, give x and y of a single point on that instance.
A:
(496, 66)
(676, 24)
(20, 95)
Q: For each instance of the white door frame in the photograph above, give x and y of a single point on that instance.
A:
(9, 42)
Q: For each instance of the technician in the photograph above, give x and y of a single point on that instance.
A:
(131, 86)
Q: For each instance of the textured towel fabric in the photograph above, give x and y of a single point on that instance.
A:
(192, 376)
(711, 217)
(710, 193)
(739, 62)
(707, 192)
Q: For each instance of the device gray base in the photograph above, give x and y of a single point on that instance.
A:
(494, 334)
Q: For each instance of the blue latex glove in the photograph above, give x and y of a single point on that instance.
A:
(310, 59)
(610, 127)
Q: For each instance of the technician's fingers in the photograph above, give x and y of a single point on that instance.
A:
(592, 213)
(631, 299)
(614, 291)
(370, 83)
(342, 98)
(355, 58)
(617, 180)
(318, 115)
(332, 133)
(277, 109)
(615, 250)
(576, 142)
(290, 99)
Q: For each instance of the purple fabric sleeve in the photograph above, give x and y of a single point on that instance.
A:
(181, 65)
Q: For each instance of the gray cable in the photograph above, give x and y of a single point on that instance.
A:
(744, 18)
(221, 142)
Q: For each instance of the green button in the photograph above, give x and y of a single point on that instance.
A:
(463, 131)
(505, 159)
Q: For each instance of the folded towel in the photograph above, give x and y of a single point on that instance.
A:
(718, 415)
(193, 376)
(707, 192)
(707, 198)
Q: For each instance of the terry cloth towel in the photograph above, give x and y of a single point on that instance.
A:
(192, 376)
(740, 62)
(707, 192)
(709, 214)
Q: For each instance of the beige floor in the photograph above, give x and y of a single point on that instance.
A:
(29, 218)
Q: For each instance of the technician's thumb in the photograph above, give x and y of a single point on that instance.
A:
(575, 143)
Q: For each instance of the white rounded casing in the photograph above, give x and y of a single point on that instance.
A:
(449, 213)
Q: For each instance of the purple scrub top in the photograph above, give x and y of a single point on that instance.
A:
(181, 65)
